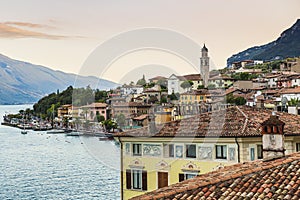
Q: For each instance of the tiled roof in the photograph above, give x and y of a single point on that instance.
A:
(196, 92)
(130, 104)
(193, 77)
(234, 121)
(295, 90)
(276, 179)
(95, 105)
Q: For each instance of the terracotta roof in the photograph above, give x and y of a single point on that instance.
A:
(130, 104)
(151, 90)
(95, 105)
(235, 121)
(196, 92)
(276, 179)
(295, 90)
(141, 117)
(193, 77)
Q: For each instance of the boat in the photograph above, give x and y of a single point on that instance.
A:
(74, 133)
(24, 130)
(56, 131)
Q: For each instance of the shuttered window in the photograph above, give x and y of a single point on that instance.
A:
(168, 150)
(185, 176)
(137, 149)
(128, 179)
(259, 152)
(297, 147)
(221, 151)
(136, 179)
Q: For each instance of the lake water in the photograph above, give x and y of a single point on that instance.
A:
(44, 166)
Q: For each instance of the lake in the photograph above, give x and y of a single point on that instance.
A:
(54, 166)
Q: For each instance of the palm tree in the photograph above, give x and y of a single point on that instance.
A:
(294, 102)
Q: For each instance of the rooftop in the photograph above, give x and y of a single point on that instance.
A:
(295, 90)
(235, 121)
(275, 179)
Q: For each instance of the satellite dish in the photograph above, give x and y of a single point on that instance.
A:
(258, 92)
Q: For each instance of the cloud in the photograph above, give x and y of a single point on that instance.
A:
(9, 30)
(26, 24)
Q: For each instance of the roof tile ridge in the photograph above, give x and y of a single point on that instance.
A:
(246, 119)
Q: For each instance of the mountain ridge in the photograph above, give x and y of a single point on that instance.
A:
(286, 45)
(22, 82)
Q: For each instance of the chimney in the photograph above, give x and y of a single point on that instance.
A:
(273, 137)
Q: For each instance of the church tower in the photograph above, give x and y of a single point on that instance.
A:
(204, 65)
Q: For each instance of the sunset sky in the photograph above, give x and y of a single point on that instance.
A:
(62, 34)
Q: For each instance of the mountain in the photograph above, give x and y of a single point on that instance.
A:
(23, 82)
(287, 45)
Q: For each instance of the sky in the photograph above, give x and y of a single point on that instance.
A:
(65, 35)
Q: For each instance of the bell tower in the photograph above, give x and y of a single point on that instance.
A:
(204, 65)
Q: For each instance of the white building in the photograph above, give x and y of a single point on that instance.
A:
(290, 93)
(174, 84)
(272, 80)
(296, 81)
(131, 90)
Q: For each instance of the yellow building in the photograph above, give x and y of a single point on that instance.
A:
(190, 102)
(154, 157)
(64, 111)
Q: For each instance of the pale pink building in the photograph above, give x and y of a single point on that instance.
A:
(89, 112)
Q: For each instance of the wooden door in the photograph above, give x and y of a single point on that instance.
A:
(162, 178)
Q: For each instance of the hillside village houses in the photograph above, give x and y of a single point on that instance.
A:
(203, 92)
(175, 131)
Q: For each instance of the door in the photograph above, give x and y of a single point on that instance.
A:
(162, 178)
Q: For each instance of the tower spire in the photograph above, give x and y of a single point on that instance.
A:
(204, 65)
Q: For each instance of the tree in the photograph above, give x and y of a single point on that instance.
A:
(109, 124)
(77, 122)
(152, 99)
(294, 102)
(163, 99)
(99, 118)
(235, 100)
(200, 87)
(142, 81)
(162, 83)
(211, 86)
(121, 120)
(186, 84)
(174, 96)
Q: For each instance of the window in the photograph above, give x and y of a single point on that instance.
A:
(136, 179)
(186, 176)
(297, 146)
(259, 151)
(221, 151)
(137, 149)
(179, 151)
(168, 150)
(252, 155)
(190, 151)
